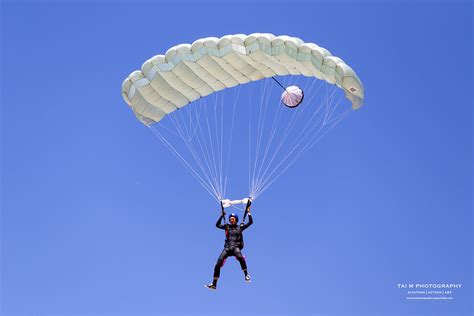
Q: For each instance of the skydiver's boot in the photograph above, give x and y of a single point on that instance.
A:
(213, 285)
(210, 286)
(247, 276)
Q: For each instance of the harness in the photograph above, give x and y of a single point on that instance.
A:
(240, 240)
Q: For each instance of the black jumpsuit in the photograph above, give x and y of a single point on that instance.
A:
(233, 244)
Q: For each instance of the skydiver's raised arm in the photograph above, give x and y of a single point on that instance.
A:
(219, 222)
(246, 225)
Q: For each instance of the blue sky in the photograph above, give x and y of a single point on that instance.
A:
(98, 218)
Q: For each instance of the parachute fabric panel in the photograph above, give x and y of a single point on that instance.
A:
(188, 72)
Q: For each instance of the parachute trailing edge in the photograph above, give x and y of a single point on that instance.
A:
(188, 72)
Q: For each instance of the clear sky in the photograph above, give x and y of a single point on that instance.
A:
(98, 218)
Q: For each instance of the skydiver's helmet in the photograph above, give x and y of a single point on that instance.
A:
(235, 216)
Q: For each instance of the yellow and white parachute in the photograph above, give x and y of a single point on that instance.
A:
(191, 73)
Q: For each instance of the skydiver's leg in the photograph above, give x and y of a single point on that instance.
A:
(220, 262)
(243, 264)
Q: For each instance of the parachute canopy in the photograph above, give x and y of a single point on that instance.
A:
(190, 71)
(270, 136)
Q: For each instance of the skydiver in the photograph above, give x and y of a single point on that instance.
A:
(234, 243)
